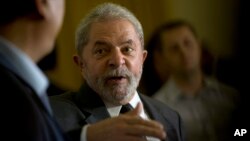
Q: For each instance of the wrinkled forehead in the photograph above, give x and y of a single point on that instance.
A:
(118, 30)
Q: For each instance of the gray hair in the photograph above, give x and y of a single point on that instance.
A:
(103, 12)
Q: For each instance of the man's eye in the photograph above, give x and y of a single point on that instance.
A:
(173, 48)
(128, 49)
(100, 51)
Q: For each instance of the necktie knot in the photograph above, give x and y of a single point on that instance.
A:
(126, 108)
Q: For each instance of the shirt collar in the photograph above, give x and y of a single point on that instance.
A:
(168, 91)
(171, 91)
(23, 66)
(115, 110)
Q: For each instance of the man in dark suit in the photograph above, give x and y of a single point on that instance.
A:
(28, 29)
(109, 43)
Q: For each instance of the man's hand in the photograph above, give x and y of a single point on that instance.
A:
(126, 127)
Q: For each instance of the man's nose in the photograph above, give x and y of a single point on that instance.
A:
(116, 58)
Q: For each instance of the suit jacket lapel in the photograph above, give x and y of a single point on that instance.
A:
(98, 114)
(6, 63)
(152, 112)
(89, 101)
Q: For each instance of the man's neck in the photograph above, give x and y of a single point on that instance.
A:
(190, 84)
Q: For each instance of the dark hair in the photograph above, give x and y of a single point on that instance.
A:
(155, 40)
(10, 10)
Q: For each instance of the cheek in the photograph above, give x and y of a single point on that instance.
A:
(58, 12)
(172, 62)
(136, 67)
(196, 56)
(93, 69)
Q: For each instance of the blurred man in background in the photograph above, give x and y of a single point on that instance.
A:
(205, 105)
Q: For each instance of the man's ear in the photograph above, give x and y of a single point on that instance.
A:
(144, 55)
(78, 61)
(42, 7)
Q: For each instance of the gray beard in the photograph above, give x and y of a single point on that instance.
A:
(114, 94)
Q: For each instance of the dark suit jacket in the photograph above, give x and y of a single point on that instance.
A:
(23, 116)
(75, 109)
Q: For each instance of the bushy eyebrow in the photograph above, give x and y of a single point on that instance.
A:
(101, 43)
(130, 42)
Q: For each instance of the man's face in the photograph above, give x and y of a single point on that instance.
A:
(112, 60)
(181, 50)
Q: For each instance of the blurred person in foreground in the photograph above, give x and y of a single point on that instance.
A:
(48, 64)
(205, 105)
(110, 56)
(27, 34)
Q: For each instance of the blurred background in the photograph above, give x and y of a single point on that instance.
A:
(220, 23)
